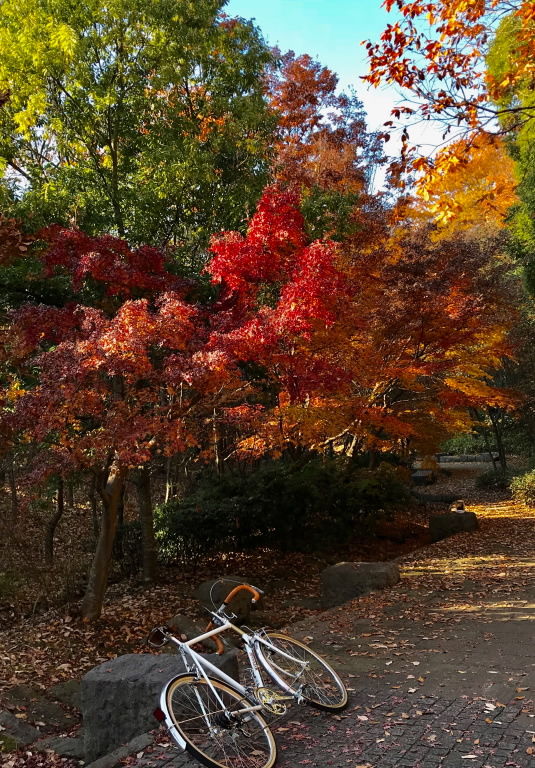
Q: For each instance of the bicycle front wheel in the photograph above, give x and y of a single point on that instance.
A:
(297, 669)
(213, 729)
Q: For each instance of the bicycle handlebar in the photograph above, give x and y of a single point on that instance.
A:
(233, 592)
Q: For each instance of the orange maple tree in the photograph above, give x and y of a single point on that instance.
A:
(13, 243)
(306, 343)
(436, 51)
(324, 150)
(399, 354)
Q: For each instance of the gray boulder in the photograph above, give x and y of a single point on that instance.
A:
(344, 581)
(17, 731)
(213, 592)
(423, 477)
(68, 692)
(118, 698)
(65, 746)
(448, 523)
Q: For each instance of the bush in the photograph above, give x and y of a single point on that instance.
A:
(523, 488)
(290, 506)
(493, 480)
(467, 442)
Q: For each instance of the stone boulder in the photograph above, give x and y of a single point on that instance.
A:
(213, 592)
(448, 523)
(344, 581)
(118, 698)
(423, 477)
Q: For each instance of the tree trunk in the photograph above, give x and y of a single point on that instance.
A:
(94, 506)
(476, 415)
(111, 494)
(215, 435)
(13, 489)
(69, 494)
(118, 552)
(144, 503)
(53, 524)
(494, 419)
(168, 484)
(373, 460)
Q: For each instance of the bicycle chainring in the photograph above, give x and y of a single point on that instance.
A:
(271, 701)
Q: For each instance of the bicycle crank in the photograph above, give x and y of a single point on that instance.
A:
(272, 701)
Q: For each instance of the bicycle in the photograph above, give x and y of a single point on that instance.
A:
(221, 722)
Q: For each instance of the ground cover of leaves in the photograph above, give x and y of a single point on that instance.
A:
(56, 646)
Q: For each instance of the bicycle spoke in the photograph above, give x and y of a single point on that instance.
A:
(203, 714)
(305, 673)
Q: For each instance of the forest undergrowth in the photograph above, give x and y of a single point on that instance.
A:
(45, 646)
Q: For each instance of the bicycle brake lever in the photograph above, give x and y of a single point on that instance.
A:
(159, 638)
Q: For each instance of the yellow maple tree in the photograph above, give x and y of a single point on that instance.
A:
(471, 183)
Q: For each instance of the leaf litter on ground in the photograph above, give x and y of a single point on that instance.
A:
(463, 570)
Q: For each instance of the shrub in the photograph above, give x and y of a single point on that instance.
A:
(493, 480)
(290, 506)
(523, 488)
(467, 442)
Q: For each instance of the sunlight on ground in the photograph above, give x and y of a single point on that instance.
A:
(493, 565)
(498, 551)
(501, 605)
(502, 509)
(509, 610)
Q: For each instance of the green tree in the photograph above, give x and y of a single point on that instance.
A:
(517, 93)
(145, 120)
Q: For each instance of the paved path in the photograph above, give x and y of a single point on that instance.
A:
(441, 668)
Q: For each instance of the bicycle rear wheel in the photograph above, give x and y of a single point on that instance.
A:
(306, 673)
(213, 730)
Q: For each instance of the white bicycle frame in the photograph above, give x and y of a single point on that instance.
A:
(196, 662)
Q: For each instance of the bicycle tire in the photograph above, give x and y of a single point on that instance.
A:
(243, 742)
(319, 685)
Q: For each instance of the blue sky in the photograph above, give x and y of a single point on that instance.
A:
(329, 30)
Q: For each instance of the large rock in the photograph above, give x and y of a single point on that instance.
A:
(68, 692)
(212, 593)
(345, 581)
(448, 523)
(18, 732)
(38, 708)
(118, 698)
(65, 746)
(423, 477)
